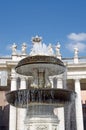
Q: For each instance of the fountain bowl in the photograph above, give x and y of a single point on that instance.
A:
(51, 64)
(24, 97)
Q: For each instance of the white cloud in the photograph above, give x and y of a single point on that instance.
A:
(76, 40)
(79, 45)
(8, 47)
(77, 37)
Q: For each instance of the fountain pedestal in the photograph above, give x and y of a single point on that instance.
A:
(41, 117)
(42, 124)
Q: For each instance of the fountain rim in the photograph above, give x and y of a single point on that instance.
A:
(38, 59)
(40, 62)
(61, 97)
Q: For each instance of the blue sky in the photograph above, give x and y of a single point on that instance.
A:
(53, 20)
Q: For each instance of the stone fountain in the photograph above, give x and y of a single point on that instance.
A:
(40, 98)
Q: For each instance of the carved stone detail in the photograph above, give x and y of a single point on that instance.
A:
(42, 127)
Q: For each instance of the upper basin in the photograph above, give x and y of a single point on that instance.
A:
(50, 64)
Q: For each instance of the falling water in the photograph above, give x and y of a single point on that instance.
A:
(70, 122)
(65, 79)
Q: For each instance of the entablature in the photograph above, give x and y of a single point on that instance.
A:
(76, 76)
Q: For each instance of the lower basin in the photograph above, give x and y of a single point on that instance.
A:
(24, 97)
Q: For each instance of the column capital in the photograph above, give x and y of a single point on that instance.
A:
(13, 77)
(23, 78)
(77, 79)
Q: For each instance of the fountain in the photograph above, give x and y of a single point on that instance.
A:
(40, 98)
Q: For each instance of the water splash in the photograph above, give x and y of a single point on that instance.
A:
(40, 48)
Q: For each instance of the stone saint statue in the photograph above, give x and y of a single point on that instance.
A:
(14, 47)
(50, 50)
(58, 49)
(24, 47)
(76, 52)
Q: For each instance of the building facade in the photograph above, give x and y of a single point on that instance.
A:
(12, 118)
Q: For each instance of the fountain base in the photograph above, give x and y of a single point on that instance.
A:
(41, 117)
(42, 124)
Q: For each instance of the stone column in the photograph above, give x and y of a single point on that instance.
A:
(78, 106)
(12, 116)
(61, 125)
(21, 112)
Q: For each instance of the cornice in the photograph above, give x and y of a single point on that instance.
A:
(79, 65)
(11, 63)
(76, 76)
